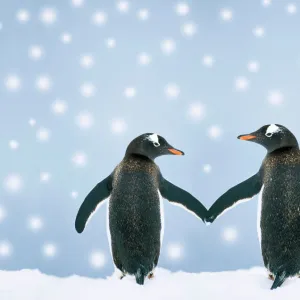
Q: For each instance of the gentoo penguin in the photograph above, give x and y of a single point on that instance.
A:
(279, 208)
(135, 210)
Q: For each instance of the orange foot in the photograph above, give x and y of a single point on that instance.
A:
(271, 277)
(151, 276)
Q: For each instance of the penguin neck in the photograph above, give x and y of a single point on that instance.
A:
(137, 156)
(284, 149)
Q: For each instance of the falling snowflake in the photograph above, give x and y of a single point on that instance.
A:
(241, 83)
(79, 159)
(143, 14)
(49, 250)
(13, 144)
(118, 126)
(48, 16)
(208, 61)
(207, 168)
(266, 2)
(74, 194)
(23, 16)
(226, 14)
(215, 132)
(172, 90)
(291, 8)
(182, 9)
(175, 251)
(130, 92)
(43, 134)
(168, 46)
(36, 52)
(59, 107)
(97, 259)
(253, 66)
(87, 90)
(259, 31)
(87, 61)
(123, 6)
(189, 29)
(275, 98)
(43, 83)
(144, 59)
(66, 38)
(35, 223)
(196, 111)
(85, 120)
(230, 234)
(99, 18)
(45, 176)
(110, 43)
(6, 249)
(13, 82)
(13, 183)
(77, 3)
(32, 122)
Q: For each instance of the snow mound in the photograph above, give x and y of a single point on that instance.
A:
(235, 285)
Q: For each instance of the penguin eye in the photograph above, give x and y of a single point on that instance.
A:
(156, 144)
(269, 134)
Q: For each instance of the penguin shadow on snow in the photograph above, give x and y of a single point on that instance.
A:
(135, 217)
(278, 180)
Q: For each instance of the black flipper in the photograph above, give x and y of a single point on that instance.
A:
(244, 190)
(279, 280)
(99, 193)
(177, 195)
(140, 275)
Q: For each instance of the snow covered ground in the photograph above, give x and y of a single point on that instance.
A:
(238, 285)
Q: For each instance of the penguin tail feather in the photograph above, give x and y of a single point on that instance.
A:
(279, 280)
(140, 275)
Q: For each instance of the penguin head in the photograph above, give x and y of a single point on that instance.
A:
(272, 137)
(152, 146)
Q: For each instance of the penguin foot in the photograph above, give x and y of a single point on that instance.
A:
(151, 275)
(271, 277)
(122, 276)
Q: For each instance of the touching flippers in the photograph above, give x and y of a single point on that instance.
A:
(99, 193)
(140, 275)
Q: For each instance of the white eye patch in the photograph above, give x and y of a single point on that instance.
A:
(272, 129)
(154, 139)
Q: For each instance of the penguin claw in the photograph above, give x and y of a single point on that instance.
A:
(271, 277)
(151, 276)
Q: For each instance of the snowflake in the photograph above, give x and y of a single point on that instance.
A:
(77, 3)
(79, 159)
(123, 6)
(172, 90)
(208, 61)
(35, 223)
(144, 59)
(1, 26)
(32, 122)
(207, 168)
(66, 38)
(13, 82)
(130, 92)
(6, 249)
(48, 16)
(43, 134)
(168, 46)
(59, 107)
(87, 90)
(226, 14)
(143, 14)
(110, 43)
(87, 61)
(275, 98)
(253, 66)
(241, 83)
(13, 144)
(266, 2)
(36, 52)
(215, 132)
(291, 8)
(74, 194)
(85, 120)
(230, 234)
(43, 83)
(175, 251)
(49, 250)
(45, 176)
(189, 29)
(23, 16)
(118, 126)
(259, 31)
(196, 111)
(13, 183)
(2, 213)
(99, 18)
(97, 259)
(182, 9)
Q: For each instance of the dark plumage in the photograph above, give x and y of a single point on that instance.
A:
(279, 180)
(135, 219)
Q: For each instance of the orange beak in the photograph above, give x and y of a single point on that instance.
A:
(175, 152)
(247, 137)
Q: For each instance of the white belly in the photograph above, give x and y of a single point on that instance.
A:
(259, 207)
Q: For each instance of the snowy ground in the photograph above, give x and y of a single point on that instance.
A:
(238, 285)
